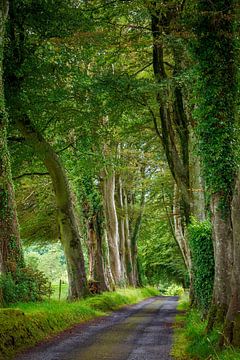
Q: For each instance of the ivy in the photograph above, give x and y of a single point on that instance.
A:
(213, 49)
(200, 240)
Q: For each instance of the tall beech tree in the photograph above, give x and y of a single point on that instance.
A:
(214, 51)
(23, 22)
(11, 255)
(92, 208)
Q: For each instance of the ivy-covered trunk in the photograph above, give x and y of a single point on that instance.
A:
(67, 221)
(11, 255)
(213, 50)
(97, 270)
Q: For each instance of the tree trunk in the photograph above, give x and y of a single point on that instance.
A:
(69, 232)
(97, 270)
(174, 132)
(121, 226)
(222, 244)
(134, 238)
(11, 254)
(112, 226)
(232, 324)
(128, 254)
(181, 239)
(179, 231)
(196, 182)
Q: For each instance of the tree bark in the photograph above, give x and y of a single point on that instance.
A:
(97, 270)
(174, 133)
(232, 323)
(11, 254)
(69, 232)
(179, 231)
(134, 238)
(112, 226)
(121, 226)
(222, 244)
(128, 254)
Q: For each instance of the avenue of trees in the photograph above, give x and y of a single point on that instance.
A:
(119, 138)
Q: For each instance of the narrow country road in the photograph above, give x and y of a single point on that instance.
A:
(139, 332)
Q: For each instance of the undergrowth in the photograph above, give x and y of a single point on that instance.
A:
(191, 342)
(25, 324)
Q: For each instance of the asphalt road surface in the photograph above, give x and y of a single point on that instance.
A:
(139, 332)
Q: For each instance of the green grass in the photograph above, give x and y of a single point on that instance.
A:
(191, 342)
(25, 324)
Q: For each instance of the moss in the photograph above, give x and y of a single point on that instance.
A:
(216, 316)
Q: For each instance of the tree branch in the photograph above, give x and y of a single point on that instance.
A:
(145, 67)
(30, 174)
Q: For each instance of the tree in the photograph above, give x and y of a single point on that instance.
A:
(21, 42)
(216, 116)
(11, 255)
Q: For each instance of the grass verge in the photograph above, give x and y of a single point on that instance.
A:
(25, 324)
(191, 342)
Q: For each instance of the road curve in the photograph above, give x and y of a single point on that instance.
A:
(140, 332)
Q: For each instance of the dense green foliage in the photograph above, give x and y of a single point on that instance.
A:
(200, 240)
(26, 284)
(216, 91)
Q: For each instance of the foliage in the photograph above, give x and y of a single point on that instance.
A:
(159, 254)
(48, 259)
(26, 284)
(33, 322)
(216, 90)
(171, 290)
(37, 210)
(200, 240)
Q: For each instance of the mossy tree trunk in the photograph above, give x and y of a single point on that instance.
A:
(94, 219)
(67, 221)
(214, 52)
(97, 270)
(11, 254)
(174, 125)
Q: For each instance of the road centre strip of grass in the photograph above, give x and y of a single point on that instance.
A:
(25, 324)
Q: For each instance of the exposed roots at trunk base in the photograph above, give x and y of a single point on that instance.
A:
(231, 333)
(216, 316)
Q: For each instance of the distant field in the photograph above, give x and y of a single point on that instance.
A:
(64, 292)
